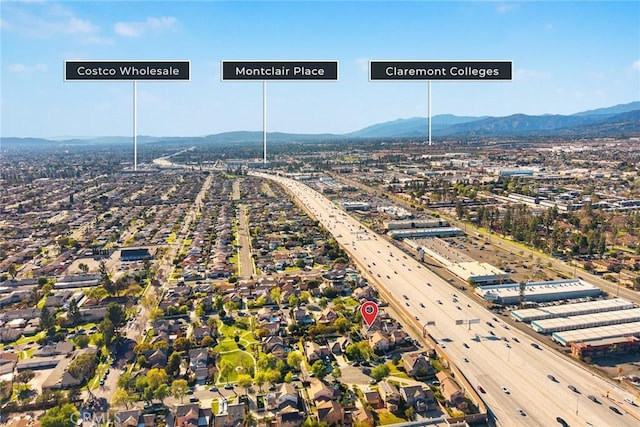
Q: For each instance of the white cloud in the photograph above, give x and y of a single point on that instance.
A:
(136, 29)
(22, 68)
(530, 75)
(45, 20)
(506, 7)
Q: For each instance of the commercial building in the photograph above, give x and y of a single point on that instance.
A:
(478, 273)
(547, 326)
(425, 232)
(600, 333)
(138, 254)
(565, 310)
(554, 290)
(607, 346)
(415, 223)
(356, 206)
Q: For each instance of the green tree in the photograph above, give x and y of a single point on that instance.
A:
(115, 312)
(319, 369)
(47, 319)
(245, 381)
(162, 392)
(294, 359)
(108, 330)
(83, 366)
(73, 314)
(173, 364)
(122, 397)
(179, 389)
(83, 267)
(60, 416)
(379, 372)
(226, 368)
(156, 377)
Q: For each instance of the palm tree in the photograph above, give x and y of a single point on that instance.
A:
(248, 419)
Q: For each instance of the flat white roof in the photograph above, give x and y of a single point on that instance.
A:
(474, 269)
(598, 333)
(538, 288)
(586, 320)
(562, 310)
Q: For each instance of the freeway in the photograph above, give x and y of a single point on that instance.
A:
(511, 371)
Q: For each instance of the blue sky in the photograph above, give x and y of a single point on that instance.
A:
(568, 57)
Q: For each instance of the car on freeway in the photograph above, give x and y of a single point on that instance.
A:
(405, 297)
(630, 401)
(481, 390)
(616, 410)
(572, 388)
(422, 305)
(465, 345)
(515, 339)
(408, 305)
(534, 345)
(505, 390)
(562, 422)
(522, 413)
(489, 324)
(593, 398)
(552, 378)
(464, 359)
(417, 318)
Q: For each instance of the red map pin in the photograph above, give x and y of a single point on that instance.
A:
(369, 311)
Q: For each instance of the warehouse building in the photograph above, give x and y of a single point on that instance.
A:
(528, 315)
(478, 273)
(600, 333)
(425, 232)
(554, 290)
(547, 326)
(415, 223)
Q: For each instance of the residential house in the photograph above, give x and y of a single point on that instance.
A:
(290, 417)
(287, 395)
(198, 363)
(129, 418)
(451, 391)
(320, 391)
(328, 316)
(157, 358)
(315, 351)
(330, 412)
(418, 397)
(363, 417)
(379, 342)
(373, 398)
(417, 366)
(390, 395)
(301, 316)
(274, 345)
(191, 415)
(200, 332)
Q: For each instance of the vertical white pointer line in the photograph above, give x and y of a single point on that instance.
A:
(429, 108)
(135, 125)
(264, 121)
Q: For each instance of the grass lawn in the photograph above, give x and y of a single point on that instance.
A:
(395, 372)
(237, 358)
(215, 406)
(95, 381)
(227, 345)
(385, 418)
(27, 340)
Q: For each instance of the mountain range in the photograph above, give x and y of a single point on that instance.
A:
(618, 121)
